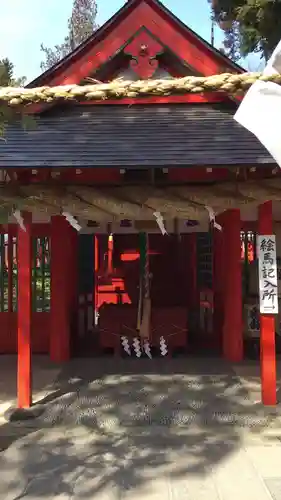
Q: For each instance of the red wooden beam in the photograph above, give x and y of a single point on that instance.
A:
(24, 374)
(197, 174)
(267, 324)
(41, 229)
(207, 97)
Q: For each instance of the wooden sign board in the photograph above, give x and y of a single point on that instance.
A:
(268, 281)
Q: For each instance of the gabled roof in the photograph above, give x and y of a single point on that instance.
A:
(107, 41)
(141, 135)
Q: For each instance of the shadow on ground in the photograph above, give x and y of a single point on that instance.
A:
(119, 424)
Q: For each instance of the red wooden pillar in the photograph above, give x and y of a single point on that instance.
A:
(110, 254)
(60, 295)
(192, 270)
(73, 276)
(267, 324)
(218, 281)
(10, 269)
(232, 288)
(24, 372)
(96, 257)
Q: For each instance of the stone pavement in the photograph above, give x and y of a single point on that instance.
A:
(141, 429)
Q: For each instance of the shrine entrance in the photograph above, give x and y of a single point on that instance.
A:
(110, 301)
(181, 293)
(118, 277)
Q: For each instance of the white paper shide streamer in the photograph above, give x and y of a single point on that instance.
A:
(72, 221)
(160, 221)
(19, 218)
(147, 349)
(137, 347)
(163, 346)
(125, 344)
(260, 110)
(212, 218)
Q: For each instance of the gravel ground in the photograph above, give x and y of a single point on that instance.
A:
(148, 430)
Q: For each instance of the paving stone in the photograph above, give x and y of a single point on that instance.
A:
(236, 477)
(274, 487)
(266, 460)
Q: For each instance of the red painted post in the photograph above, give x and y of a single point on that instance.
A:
(72, 276)
(73, 270)
(24, 373)
(218, 281)
(109, 254)
(96, 291)
(232, 288)
(192, 270)
(10, 270)
(267, 324)
(60, 295)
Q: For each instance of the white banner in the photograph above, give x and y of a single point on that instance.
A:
(268, 290)
(260, 110)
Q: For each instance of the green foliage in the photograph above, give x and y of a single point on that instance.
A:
(6, 72)
(249, 25)
(7, 79)
(53, 56)
(81, 25)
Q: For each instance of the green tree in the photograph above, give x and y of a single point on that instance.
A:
(249, 26)
(6, 72)
(7, 79)
(81, 25)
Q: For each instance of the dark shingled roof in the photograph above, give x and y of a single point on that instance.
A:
(138, 135)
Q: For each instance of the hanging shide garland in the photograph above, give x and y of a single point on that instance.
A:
(233, 84)
(126, 345)
(138, 349)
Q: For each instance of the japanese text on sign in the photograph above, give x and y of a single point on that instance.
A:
(267, 274)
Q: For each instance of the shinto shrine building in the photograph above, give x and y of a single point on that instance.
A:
(111, 165)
